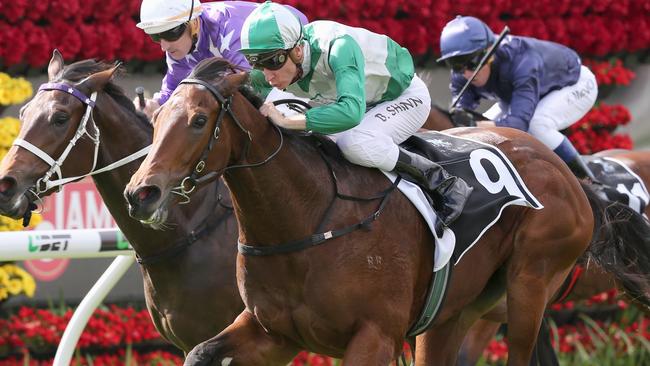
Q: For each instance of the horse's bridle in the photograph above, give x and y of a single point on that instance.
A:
(44, 183)
(189, 183)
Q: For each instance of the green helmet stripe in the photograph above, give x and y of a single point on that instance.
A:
(270, 27)
(265, 30)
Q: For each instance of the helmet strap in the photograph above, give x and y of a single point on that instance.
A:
(194, 26)
(195, 40)
(294, 58)
(298, 74)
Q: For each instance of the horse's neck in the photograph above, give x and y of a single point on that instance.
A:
(121, 135)
(285, 198)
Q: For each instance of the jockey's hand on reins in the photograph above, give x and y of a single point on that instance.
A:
(462, 118)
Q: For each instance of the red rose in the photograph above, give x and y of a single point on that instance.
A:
(131, 39)
(639, 33)
(108, 10)
(37, 10)
(65, 38)
(14, 10)
(13, 45)
(578, 7)
(90, 41)
(64, 7)
(557, 30)
(38, 44)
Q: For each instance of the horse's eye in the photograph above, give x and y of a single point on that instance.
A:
(199, 121)
(59, 118)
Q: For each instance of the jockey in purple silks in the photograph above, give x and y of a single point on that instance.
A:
(189, 32)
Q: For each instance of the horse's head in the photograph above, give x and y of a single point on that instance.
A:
(56, 122)
(196, 122)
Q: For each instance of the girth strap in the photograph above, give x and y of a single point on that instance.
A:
(316, 239)
(435, 297)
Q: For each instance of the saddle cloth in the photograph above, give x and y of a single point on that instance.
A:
(496, 185)
(621, 183)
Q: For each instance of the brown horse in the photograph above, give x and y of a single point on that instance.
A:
(354, 296)
(189, 278)
(592, 280)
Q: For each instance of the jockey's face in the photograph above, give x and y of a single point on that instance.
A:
(179, 48)
(481, 78)
(282, 77)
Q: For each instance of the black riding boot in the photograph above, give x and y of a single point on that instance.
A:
(448, 193)
(581, 170)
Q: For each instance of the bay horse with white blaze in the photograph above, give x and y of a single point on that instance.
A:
(188, 269)
(354, 296)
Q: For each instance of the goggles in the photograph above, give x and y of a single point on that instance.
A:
(170, 35)
(270, 60)
(461, 63)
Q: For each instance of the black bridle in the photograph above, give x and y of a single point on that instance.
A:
(189, 183)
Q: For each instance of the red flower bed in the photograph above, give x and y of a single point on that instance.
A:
(610, 72)
(595, 131)
(37, 329)
(592, 27)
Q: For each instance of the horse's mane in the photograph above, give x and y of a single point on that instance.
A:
(213, 70)
(81, 69)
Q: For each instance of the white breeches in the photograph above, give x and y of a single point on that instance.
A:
(558, 109)
(373, 143)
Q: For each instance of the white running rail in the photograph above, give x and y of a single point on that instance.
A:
(83, 243)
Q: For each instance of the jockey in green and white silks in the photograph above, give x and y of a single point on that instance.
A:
(369, 98)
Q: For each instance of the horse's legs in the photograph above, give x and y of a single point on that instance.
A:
(370, 346)
(244, 342)
(476, 340)
(529, 289)
(440, 344)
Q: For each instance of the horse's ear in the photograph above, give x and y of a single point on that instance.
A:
(233, 81)
(98, 81)
(55, 66)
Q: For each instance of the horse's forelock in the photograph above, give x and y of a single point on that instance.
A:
(82, 69)
(212, 70)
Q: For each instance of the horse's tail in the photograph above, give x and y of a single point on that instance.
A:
(621, 245)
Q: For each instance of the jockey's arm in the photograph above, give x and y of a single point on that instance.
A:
(347, 63)
(525, 97)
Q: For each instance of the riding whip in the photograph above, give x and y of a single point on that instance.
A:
(140, 92)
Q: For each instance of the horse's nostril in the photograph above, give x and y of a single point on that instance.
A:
(7, 184)
(146, 194)
(143, 194)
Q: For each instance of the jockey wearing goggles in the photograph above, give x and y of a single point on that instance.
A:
(540, 87)
(189, 32)
(369, 97)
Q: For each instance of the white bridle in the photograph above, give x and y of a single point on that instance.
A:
(44, 183)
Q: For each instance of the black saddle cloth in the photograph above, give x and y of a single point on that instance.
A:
(482, 166)
(620, 183)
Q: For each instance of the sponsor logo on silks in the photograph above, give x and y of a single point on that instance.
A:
(48, 243)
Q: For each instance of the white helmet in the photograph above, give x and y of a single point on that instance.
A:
(157, 16)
